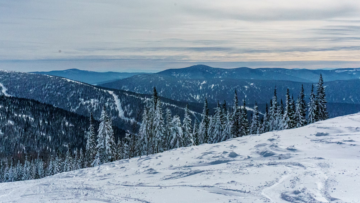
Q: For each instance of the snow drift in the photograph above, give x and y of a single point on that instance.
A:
(315, 163)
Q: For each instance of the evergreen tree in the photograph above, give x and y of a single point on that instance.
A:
(244, 120)
(176, 133)
(91, 143)
(255, 126)
(100, 147)
(235, 118)
(217, 126)
(313, 114)
(167, 136)
(187, 131)
(301, 109)
(196, 134)
(159, 128)
(228, 128)
(321, 101)
(288, 116)
(273, 113)
(109, 140)
(265, 123)
(204, 125)
(144, 134)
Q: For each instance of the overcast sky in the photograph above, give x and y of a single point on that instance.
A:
(150, 35)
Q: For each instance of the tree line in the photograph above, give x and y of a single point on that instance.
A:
(161, 131)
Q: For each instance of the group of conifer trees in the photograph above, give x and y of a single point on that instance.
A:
(160, 132)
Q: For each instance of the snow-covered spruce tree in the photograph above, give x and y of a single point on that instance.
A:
(19, 171)
(187, 131)
(159, 128)
(273, 122)
(120, 149)
(109, 140)
(176, 133)
(68, 163)
(288, 116)
(26, 169)
(312, 110)
(235, 118)
(167, 135)
(321, 101)
(50, 167)
(301, 109)
(58, 166)
(223, 114)
(245, 129)
(196, 134)
(216, 126)
(265, 123)
(100, 156)
(81, 162)
(90, 143)
(227, 128)
(280, 115)
(204, 125)
(40, 168)
(255, 126)
(144, 134)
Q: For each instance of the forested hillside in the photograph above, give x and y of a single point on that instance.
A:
(124, 107)
(28, 127)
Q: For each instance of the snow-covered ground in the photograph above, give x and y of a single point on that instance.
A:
(316, 163)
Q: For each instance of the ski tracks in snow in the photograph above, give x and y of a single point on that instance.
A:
(4, 90)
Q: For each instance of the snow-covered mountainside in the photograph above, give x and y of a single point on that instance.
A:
(315, 163)
(125, 107)
(90, 77)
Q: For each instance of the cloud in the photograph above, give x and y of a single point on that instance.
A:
(188, 30)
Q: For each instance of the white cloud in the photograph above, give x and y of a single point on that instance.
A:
(188, 31)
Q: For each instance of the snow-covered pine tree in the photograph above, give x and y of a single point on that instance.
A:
(58, 166)
(120, 149)
(227, 129)
(40, 168)
(273, 122)
(90, 143)
(81, 159)
(196, 134)
(19, 171)
(187, 131)
(216, 126)
(301, 109)
(176, 133)
(204, 125)
(235, 118)
(167, 135)
(100, 147)
(50, 167)
(321, 101)
(109, 140)
(265, 123)
(144, 134)
(244, 120)
(312, 110)
(26, 169)
(255, 127)
(67, 161)
(288, 116)
(159, 128)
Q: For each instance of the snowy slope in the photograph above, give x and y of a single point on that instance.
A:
(316, 163)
